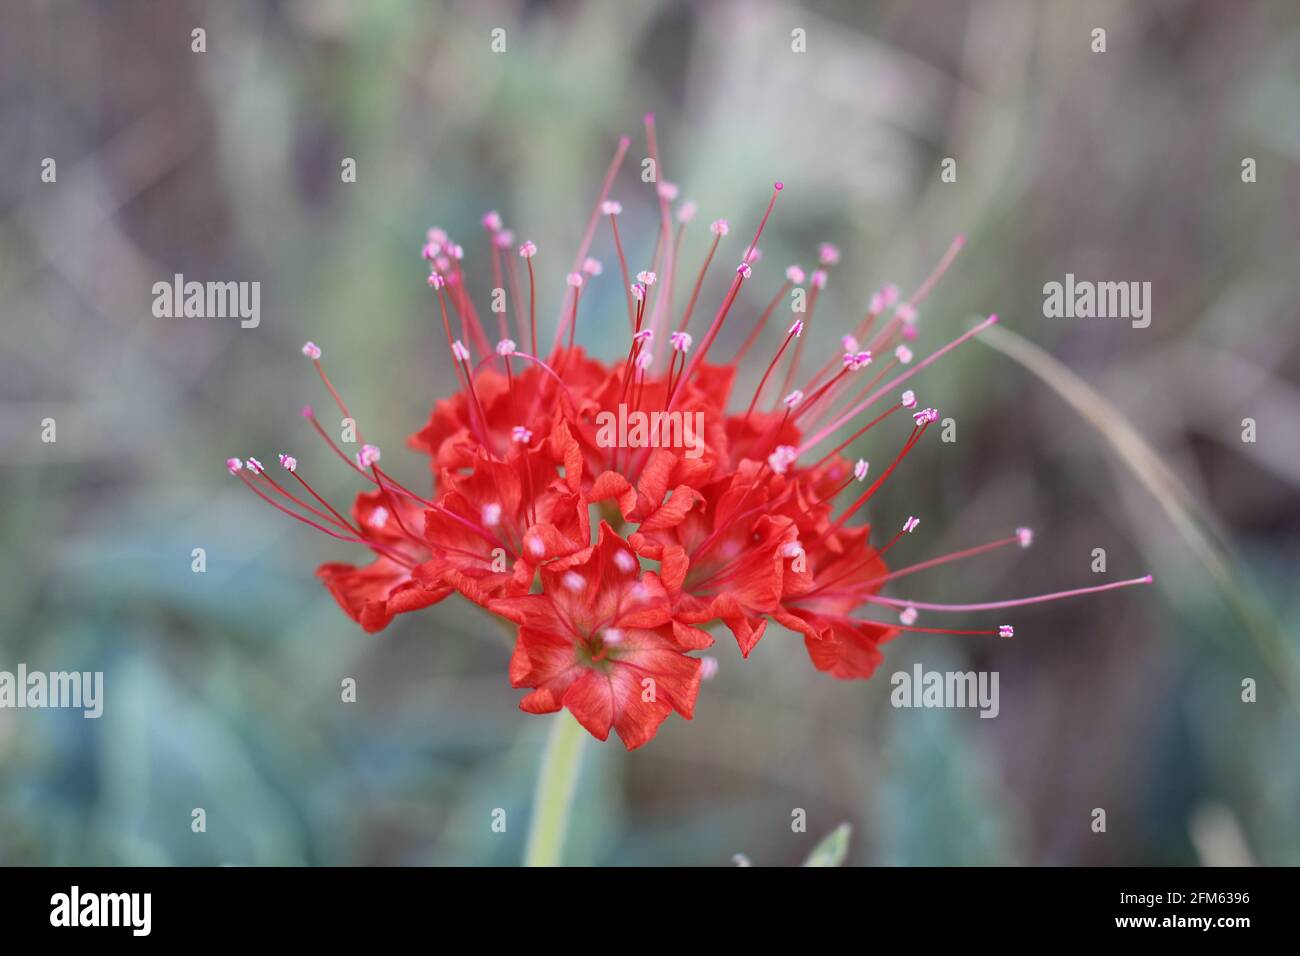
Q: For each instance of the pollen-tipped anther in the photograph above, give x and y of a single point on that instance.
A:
(853, 361)
(782, 458)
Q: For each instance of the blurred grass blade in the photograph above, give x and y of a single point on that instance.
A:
(1192, 525)
(833, 848)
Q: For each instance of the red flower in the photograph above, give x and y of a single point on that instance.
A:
(600, 639)
(746, 515)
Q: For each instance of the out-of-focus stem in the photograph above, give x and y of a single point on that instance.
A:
(553, 798)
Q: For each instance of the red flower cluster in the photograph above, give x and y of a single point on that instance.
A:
(613, 547)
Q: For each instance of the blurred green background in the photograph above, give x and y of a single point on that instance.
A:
(222, 688)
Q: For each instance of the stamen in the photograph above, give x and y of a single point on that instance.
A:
(795, 331)
(574, 280)
(666, 192)
(767, 312)
(866, 495)
(612, 209)
(1017, 602)
(721, 316)
(699, 279)
(526, 252)
(894, 383)
(314, 353)
(387, 551)
(781, 459)
(593, 221)
(936, 562)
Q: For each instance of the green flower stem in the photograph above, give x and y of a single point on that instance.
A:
(553, 798)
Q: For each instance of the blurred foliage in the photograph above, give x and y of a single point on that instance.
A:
(223, 688)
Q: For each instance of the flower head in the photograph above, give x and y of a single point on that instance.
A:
(741, 510)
